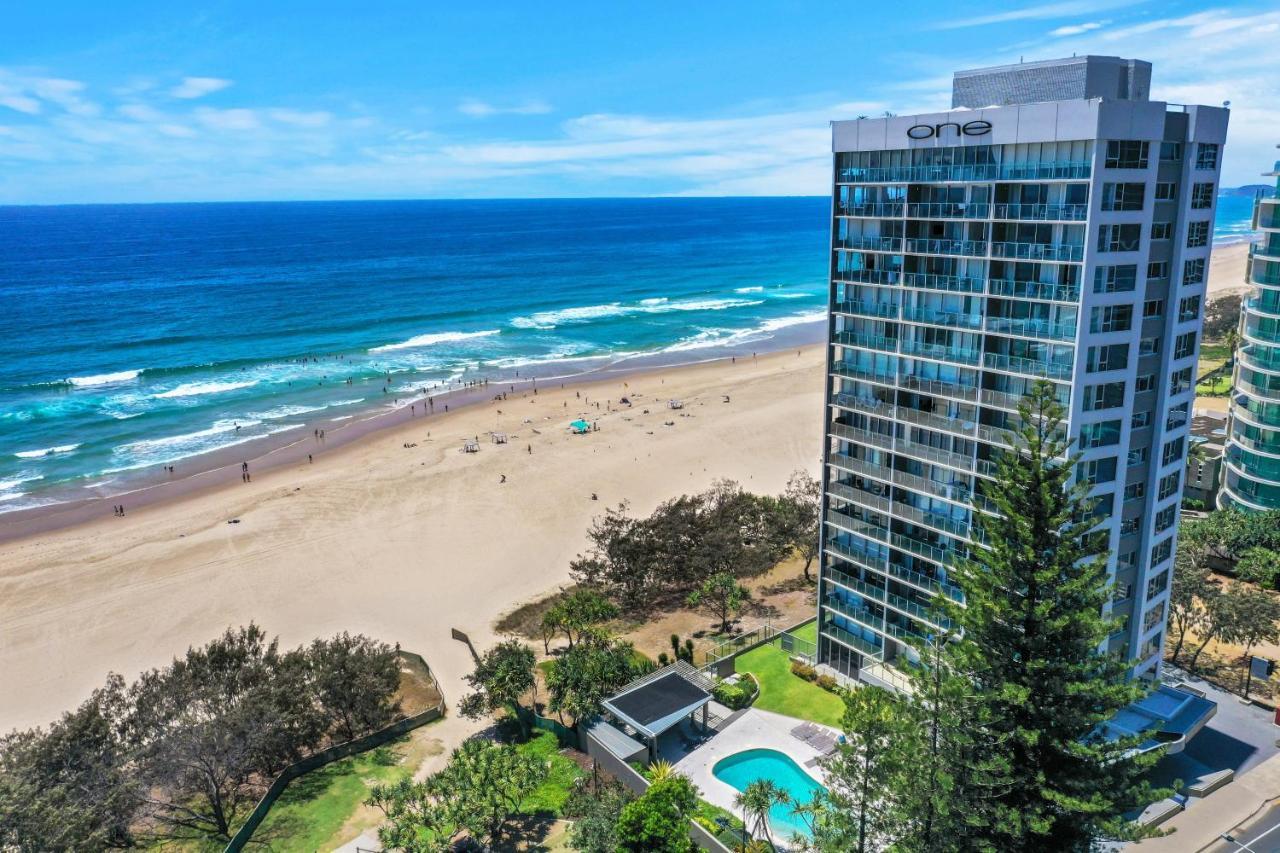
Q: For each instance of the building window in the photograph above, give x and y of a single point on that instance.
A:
(1138, 421)
(1184, 346)
(1152, 308)
(1158, 269)
(1133, 491)
(1145, 382)
(1166, 517)
(1098, 471)
(1207, 155)
(1119, 238)
(1124, 197)
(1168, 487)
(1111, 318)
(1126, 154)
(1153, 617)
(1161, 230)
(1150, 648)
(1129, 525)
(1157, 584)
(1197, 234)
(1109, 357)
(1148, 346)
(1180, 381)
(1101, 434)
(1115, 279)
(1166, 191)
(1177, 416)
(1193, 271)
(1170, 152)
(1108, 395)
(1201, 196)
(1189, 309)
(1172, 451)
(1162, 552)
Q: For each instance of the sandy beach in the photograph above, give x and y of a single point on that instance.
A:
(402, 543)
(1227, 269)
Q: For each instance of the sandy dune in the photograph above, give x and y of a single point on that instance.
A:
(400, 543)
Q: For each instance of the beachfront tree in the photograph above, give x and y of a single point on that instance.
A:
(868, 774)
(1260, 566)
(68, 787)
(756, 801)
(594, 808)
(355, 680)
(722, 597)
(658, 821)
(419, 817)
(621, 561)
(575, 612)
(583, 676)
(503, 675)
(798, 512)
(1033, 622)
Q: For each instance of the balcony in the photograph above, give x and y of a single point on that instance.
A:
(927, 453)
(925, 582)
(882, 310)
(938, 388)
(862, 436)
(853, 641)
(871, 210)
(1060, 170)
(948, 210)
(874, 244)
(856, 525)
(859, 556)
(1029, 328)
(918, 611)
(958, 425)
(1033, 290)
(871, 342)
(853, 371)
(1041, 212)
(948, 319)
(927, 246)
(866, 276)
(948, 283)
(938, 352)
(941, 556)
(854, 613)
(1037, 251)
(1027, 366)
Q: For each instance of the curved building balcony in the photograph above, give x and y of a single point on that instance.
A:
(1255, 438)
(1260, 356)
(1254, 465)
(1248, 492)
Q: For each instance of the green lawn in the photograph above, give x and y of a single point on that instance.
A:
(551, 795)
(1218, 387)
(784, 693)
(314, 808)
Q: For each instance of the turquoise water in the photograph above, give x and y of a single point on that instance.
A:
(743, 768)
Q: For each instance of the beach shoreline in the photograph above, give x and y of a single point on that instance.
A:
(399, 535)
(222, 467)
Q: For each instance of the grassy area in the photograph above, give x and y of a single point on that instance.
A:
(551, 795)
(313, 811)
(1217, 387)
(785, 693)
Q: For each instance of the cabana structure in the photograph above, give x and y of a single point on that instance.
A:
(661, 701)
(471, 446)
(499, 438)
(675, 404)
(580, 427)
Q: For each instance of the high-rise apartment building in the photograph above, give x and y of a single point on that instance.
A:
(1058, 233)
(1251, 464)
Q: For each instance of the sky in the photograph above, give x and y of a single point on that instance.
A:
(133, 101)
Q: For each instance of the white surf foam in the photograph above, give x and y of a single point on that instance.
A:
(756, 289)
(285, 412)
(433, 339)
(13, 482)
(104, 378)
(660, 305)
(150, 445)
(195, 389)
(46, 451)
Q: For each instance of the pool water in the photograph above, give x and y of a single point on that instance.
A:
(743, 768)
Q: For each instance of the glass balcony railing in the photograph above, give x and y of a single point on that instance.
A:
(864, 341)
(1261, 445)
(948, 210)
(961, 425)
(856, 525)
(854, 613)
(950, 319)
(1033, 290)
(1059, 170)
(852, 640)
(862, 436)
(938, 388)
(854, 371)
(930, 246)
(868, 276)
(1037, 251)
(871, 209)
(1041, 212)
(858, 556)
(1260, 275)
(1260, 356)
(1263, 251)
(874, 244)
(927, 453)
(949, 283)
(924, 582)
(1032, 367)
(942, 556)
(919, 611)
(939, 352)
(868, 309)
(1029, 328)
(1265, 304)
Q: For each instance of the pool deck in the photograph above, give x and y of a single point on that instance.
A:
(754, 729)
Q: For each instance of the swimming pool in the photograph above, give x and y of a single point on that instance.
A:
(743, 768)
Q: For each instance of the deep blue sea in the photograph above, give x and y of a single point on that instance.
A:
(137, 336)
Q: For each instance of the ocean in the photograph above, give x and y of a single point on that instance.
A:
(138, 336)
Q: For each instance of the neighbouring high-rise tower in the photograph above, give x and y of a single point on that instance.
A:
(1056, 225)
(1251, 463)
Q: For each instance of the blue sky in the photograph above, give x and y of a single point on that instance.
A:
(133, 101)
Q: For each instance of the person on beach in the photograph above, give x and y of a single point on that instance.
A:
(530, 449)
(504, 478)
(309, 459)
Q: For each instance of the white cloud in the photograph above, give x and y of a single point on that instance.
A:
(231, 119)
(1077, 29)
(198, 87)
(484, 109)
(301, 118)
(1044, 11)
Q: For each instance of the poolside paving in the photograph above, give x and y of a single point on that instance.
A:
(752, 729)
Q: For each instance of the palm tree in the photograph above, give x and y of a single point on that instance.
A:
(809, 811)
(759, 797)
(660, 770)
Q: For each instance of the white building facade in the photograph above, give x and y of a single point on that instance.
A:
(974, 252)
